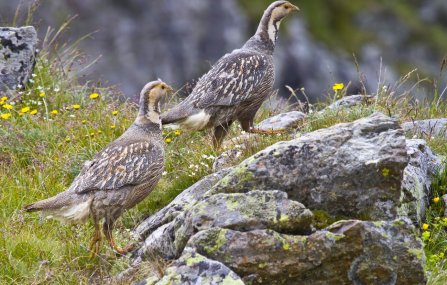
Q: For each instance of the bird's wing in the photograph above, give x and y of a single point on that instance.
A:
(232, 80)
(117, 166)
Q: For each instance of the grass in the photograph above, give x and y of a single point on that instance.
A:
(41, 153)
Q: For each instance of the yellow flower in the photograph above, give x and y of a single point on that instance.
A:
(24, 110)
(42, 94)
(67, 139)
(115, 113)
(94, 95)
(112, 127)
(168, 140)
(436, 199)
(338, 87)
(33, 112)
(385, 172)
(84, 122)
(4, 98)
(54, 112)
(177, 132)
(163, 133)
(99, 132)
(5, 116)
(76, 106)
(425, 226)
(7, 106)
(426, 235)
(92, 134)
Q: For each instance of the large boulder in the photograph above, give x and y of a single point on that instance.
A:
(348, 252)
(192, 268)
(244, 212)
(17, 56)
(352, 170)
(181, 203)
(422, 168)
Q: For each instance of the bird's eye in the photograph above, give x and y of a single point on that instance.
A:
(287, 7)
(163, 87)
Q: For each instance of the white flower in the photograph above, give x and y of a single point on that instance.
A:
(19, 86)
(72, 116)
(39, 87)
(56, 89)
(164, 173)
(33, 75)
(30, 80)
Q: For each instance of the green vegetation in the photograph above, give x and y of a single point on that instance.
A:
(55, 124)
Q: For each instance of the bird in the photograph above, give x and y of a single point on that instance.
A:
(118, 177)
(236, 85)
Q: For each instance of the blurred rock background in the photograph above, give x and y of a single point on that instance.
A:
(178, 40)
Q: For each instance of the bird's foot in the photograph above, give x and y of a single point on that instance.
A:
(125, 250)
(95, 247)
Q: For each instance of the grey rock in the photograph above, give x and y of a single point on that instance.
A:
(284, 121)
(226, 159)
(430, 127)
(195, 269)
(351, 101)
(422, 168)
(186, 199)
(250, 211)
(347, 252)
(353, 170)
(17, 56)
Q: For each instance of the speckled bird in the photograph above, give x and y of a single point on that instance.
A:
(118, 177)
(237, 84)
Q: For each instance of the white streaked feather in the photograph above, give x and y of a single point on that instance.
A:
(75, 213)
(197, 121)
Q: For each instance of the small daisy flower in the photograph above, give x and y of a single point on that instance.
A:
(76, 106)
(5, 116)
(338, 86)
(93, 96)
(33, 112)
(25, 110)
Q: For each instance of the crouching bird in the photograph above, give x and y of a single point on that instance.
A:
(236, 85)
(118, 177)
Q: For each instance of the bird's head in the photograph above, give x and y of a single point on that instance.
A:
(272, 18)
(150, 97)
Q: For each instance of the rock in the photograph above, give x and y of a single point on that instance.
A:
(17, 56)
(431, 127)
(347, 252)
(182, 202)
(226, 159)
(422, 168)
(192, 268)
(352, 170)
(351, 101)
(238, 211)
(284, 121)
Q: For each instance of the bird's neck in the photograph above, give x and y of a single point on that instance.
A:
(266, 35)
(149, 112)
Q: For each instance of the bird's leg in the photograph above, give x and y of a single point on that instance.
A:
(219, 133)
(108, 228)
(95, 244)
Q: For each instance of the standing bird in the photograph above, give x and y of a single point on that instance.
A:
(236, 85)
(118, 177)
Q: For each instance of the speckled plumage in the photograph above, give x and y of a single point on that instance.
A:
(119, 176)
(236, 85)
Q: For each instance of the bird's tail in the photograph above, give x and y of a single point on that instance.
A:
(65, 207)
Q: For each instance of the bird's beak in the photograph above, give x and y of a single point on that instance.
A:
(295, 8)
(169, 89)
